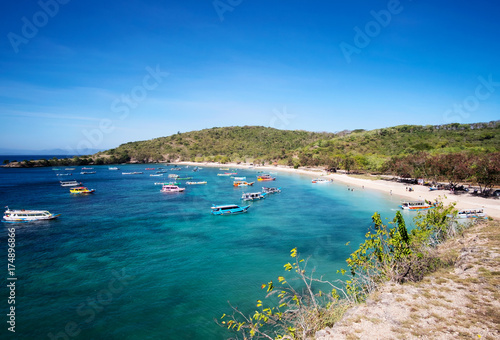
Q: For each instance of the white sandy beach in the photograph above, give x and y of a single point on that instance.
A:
(491, 206)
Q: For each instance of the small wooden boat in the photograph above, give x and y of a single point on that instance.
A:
(266, 178)
(321, 181)
(81, 190)
(253, 196)
(72, 183)
(417, 205)
(228, 209)
(471, 213)
(271, 190)
(242, 184)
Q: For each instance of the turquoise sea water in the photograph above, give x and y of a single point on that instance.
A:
(130, 262)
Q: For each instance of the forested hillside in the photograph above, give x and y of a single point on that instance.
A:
(219, 144)
(453, 152)
(354, 150)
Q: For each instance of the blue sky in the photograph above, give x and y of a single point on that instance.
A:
(92, 74)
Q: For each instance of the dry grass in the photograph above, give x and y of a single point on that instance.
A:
(459, 301)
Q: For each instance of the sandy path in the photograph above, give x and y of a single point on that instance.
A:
(491, 206)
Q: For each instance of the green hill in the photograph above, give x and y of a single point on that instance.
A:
(218, 144)
(358, 149)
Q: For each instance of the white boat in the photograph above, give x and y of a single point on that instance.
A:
(471, 213)
(171, 188)
(72, 183)
(321, 181)
(173, 176)
(240, 178)
(156, 175)
(132, 173)
(253, 196)
(228, 209)
(87, 172)
(27, 215)
(194, 183)
(69, 169)
(113, 168)
(416, 205)
(271, 190)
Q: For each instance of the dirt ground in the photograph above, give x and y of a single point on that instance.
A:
(457, 302)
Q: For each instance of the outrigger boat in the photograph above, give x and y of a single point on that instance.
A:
(167, 183)
(266, 178)
(240, 178)
(28, 215)
(72, 183)
(87, 172)
(242, 184)
(321, 181)
(229, 209)
(81, 190)
(253, 196)
(471, 213)
(271, 190)
(194, 183)
(132, 173)
(417, 205)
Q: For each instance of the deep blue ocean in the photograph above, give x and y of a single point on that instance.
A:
(130, 262)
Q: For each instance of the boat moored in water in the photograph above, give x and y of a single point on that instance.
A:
(242, 184)
(471, 213)
(72, 183)
(266, 178)
(253, 196)
(81, 190)
(171, 188)
(417, 205)
(271, 190)
(228, 209)
(321, 181)
(194, 183)
(28, 215)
